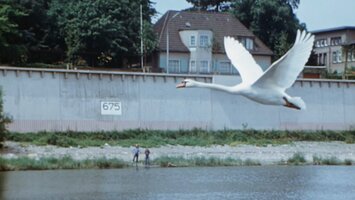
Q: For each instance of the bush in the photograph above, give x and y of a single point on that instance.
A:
(195, 137)
(25, 163)
(297, 159)
(4, 120)
(330, 161)
(201, 161)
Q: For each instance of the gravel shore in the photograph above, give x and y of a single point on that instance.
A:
(264, 155)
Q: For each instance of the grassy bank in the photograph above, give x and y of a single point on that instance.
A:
(195, 137)
(25, 163)
(180, 161)
(299, 159)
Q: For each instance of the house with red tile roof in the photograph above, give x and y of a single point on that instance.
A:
(191, 42)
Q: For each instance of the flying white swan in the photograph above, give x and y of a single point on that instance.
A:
(264, 87)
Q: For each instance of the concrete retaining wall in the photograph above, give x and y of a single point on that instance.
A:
(73, 100)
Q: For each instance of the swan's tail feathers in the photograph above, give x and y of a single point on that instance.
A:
(296, 103)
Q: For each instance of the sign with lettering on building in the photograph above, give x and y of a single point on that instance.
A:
(111, 108)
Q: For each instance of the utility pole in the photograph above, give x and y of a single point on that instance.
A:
(167, 48)
(141, 19)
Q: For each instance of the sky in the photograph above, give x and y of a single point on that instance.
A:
(316, 14)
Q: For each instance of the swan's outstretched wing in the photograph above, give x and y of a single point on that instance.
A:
(242, 60)
(284, 71)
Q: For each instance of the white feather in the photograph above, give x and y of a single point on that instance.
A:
(242, 60)
(285, 70)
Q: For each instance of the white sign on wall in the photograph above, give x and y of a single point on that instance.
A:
(111, 108)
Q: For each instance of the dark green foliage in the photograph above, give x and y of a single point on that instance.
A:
(195, 137)
(12, 47)
(330, 161)
(93, 32)
(169, 161)
(25, 163)
(296, 159)
(273, 21)
(4, 120)
(103, 32)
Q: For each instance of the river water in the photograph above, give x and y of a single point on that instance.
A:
(263, 182)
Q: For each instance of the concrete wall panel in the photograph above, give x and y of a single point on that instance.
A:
(63, 100)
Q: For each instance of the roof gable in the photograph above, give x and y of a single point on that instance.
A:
(221, 24)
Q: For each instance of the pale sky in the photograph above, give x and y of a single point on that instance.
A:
(317, 14)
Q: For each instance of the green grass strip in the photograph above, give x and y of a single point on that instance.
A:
(25, 163)
(195, 137)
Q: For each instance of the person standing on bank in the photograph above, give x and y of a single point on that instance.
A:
(146, 161)
(136, 152)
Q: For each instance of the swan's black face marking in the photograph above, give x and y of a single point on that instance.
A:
(182, 84)
(290, 105)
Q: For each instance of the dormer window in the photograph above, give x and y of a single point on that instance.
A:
(248, 42)
(203, 40)
(192, 40)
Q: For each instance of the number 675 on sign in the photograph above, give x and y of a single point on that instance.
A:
(111, 108)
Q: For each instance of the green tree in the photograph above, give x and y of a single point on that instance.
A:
(102, 32)
(31, 37)
(4, 120)
(6, 27)
(149, 40)
(37, 31)
(273, 21)
(12, 50)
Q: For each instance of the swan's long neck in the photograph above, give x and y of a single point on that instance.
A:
(214, 86)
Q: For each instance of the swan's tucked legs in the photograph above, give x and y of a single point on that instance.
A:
(289, 104)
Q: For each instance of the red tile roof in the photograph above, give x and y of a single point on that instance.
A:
(221, 24)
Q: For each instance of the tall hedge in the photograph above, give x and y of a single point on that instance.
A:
(4, 119)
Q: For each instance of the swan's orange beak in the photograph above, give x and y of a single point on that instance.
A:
(181, 85)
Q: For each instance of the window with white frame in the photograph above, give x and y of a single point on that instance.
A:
(324, 61)
(335, 41)
(225, 67)
(320, 59)
(321, 43)
(192, 40)
(334, 57)
(204, 66)
(174, 66)
(325, 42)
(352, 56)
(349, 56)
(247, 42)
(203, 40)
(317, 43)
(193, 68)
(337, 56)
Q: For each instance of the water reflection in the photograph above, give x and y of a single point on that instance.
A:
(2, 185)
(266, 182)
